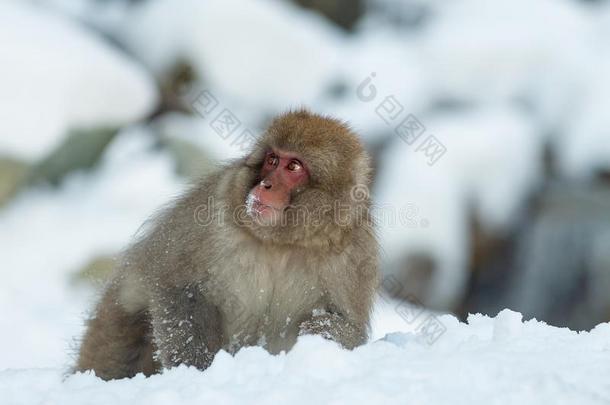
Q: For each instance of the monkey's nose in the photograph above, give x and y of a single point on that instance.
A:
(266, 184)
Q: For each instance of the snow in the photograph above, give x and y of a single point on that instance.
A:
(56, 75)
(490, 165)
(47, 234)
(249, 51)
(485, 51)
(499, 360)
(106, 16)
(584, 148)
(393, 67)
(199, 131)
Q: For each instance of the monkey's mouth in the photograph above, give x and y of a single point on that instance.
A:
(258, 207)
(261, 211)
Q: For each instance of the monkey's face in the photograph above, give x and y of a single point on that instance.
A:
(297, 182)
(282, 174)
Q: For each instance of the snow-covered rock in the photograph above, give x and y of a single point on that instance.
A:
(490, 164)
(583, 149)
(56, 75)
(483, 51)
(48, 234)
(200, 132)
(379, 65)
(260, 53)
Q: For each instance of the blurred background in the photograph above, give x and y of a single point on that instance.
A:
(488, 123)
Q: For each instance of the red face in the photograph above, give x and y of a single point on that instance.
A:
(281, 174)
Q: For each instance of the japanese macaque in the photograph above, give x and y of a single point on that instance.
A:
(270, 247)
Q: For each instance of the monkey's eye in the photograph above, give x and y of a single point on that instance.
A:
(272, 160)
(294, 165)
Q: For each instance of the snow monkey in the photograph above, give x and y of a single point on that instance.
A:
(272, 246)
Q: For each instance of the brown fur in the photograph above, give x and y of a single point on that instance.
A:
(190, 289)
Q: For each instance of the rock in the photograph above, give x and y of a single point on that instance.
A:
(562, 260)
(344, 13)
(13, 173)
(412, 278)
(177, 87)
(81, 149)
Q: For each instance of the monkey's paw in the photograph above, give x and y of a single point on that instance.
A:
(333, 327)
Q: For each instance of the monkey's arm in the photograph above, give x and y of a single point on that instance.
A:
(336, 327)
(186, 327)
(349, 304)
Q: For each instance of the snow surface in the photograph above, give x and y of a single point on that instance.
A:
(48, 234)
(499, 360)
(56, 75)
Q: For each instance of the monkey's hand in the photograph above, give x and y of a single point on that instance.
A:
(186, 328)
(333, 326)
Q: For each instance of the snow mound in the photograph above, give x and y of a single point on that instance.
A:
(499, 360)
(47, 234)
(489, 166)
(55, 76)
(262, 53)
(200, 132)
(483, 51)
(584, 148)
(379, 65)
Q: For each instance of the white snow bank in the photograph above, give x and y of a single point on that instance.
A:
(584, 148)
(104, 16)
(262, 53)
(484, 51)
(378, 65)
(56, 75)
(498, 360)
(491, 164)
(200, 131)
(48, 234)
